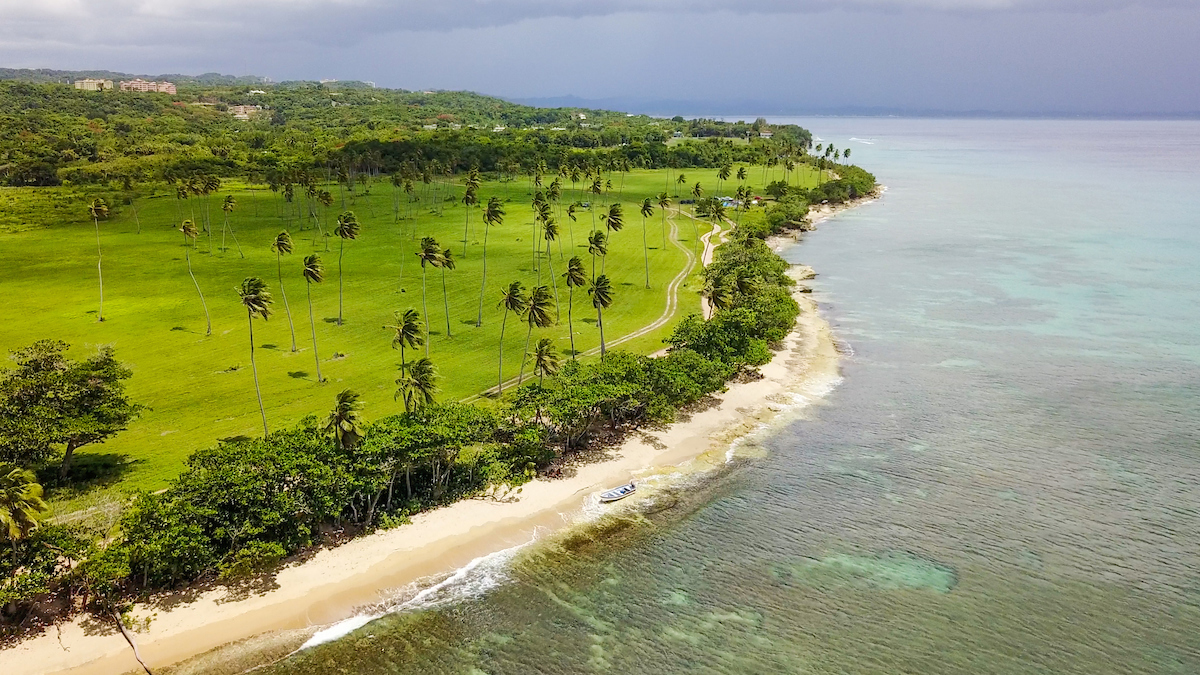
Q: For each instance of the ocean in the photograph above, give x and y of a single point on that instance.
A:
(1006, 480)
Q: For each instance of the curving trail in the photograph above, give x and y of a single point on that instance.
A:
(668, 311)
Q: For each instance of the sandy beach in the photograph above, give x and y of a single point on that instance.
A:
(330, 584)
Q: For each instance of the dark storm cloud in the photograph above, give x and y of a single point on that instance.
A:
(131, 24)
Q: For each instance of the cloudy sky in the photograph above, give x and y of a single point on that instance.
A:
(1070, 56)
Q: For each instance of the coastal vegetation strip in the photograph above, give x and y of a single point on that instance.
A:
(240, 507)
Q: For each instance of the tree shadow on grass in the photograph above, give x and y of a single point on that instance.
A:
(298, 374)
(89, 472)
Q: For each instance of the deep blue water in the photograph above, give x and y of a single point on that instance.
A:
(1006, 481)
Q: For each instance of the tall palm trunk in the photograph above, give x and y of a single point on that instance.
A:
(570, 319)
(341, 250)
(292, 326)
(645, 251)
(483, 283)
(664, 229)
(554, 285)
(254, 368)
(99, 269)
(446, 303)
(466, 229)
(204, 304)
(600, 325)
(425, 307)
(313, 324)
(500, 375)
(525, 355)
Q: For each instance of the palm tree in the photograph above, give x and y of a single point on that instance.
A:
(347, 228)
(664, 203)
(550, 233)
(602, 298)
(679, 181)
(227, 207)
(719, 294)
(614, 220)
(283, 246)
(512, 299)
(446, 263)
(469, 200)
(575, 278)
(21, 504)
(647, 211)
(571, 215)
(545, 359)
(408, 332)
(257, 301)
(697, 193)
(597, 246)
(537, 314)
(430, 254)
(314, 273)
(741, 174)
(188, 228)
(98, 210)
(722, 175)
(417, 385)
(493, 214)
(344, 421)
(597, 188)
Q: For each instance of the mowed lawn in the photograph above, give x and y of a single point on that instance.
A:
(199, 388)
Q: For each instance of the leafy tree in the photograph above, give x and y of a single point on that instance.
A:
(512, 299)
(98, 209)
(189, 231)
(492, 215)
(347, 228)
(314, 273)
(537, 314)
(344, 421)
(283, 246)
(408, 332)
(417, 385)
(21, 505)
(257, 301)
(48, 400)
(602, 298)
(545, 359)
(575, 278)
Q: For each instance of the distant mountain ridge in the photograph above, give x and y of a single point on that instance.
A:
(44, 75)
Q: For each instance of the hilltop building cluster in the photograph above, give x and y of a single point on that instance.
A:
(136, 84)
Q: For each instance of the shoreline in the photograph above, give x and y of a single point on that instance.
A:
(328, 586)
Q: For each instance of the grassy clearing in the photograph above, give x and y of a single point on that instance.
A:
(199, 387)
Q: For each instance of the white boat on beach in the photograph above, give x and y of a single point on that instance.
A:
(617, 493)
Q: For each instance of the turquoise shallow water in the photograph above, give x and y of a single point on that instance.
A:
(1007, 480)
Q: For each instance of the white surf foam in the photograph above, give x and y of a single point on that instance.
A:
(469, 581)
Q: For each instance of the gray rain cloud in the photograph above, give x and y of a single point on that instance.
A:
(1097, 56)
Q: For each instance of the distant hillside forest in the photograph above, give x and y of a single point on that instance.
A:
(51, 134)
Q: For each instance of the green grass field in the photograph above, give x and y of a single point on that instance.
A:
(199, 388)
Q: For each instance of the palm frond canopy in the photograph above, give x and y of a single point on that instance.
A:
(347, 226)
(282, 244)
(314, 271)
(255, 297)
(601, 292)
(545, 358)
(575, 275)
(512, 298)
(21, 504)
(343, 421)
(98, 209)
(408, 329)
(614, 220)
(647, 208)
(538, 311)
